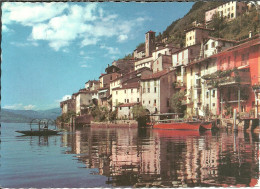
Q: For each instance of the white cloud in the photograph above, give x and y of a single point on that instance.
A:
(29, 107)
(61, 23)
(20, 107)
(85, 66)
(81, 53)
(65, 97)
(30, 13)
(122, 38)
(25, 44)
(111, 50)
(14, 106)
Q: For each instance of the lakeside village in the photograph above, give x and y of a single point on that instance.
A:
(209, 79)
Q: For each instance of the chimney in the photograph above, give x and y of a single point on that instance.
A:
(250, 34)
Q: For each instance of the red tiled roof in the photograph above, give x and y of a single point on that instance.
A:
(155, 75)
(150, 31)
(179, 50)
(128, 104)
(128, 86)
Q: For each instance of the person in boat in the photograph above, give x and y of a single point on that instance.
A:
(45, 126)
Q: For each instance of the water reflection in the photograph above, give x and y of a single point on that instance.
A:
(146, 158)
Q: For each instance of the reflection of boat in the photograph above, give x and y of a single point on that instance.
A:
(176, 133)
(42, 128)
(39, 133)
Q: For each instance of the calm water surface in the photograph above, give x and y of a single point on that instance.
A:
(95, 157)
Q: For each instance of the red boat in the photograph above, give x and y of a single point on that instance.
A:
(208, 125)
(189, 125)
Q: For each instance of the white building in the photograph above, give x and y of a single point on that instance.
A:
(127, 93)
(156, 90)
(215, 45)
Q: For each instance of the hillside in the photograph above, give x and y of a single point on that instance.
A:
(22, 116)
(234, 30)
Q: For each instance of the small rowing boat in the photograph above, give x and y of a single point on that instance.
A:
(43, 129)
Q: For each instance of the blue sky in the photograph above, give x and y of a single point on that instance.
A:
(49, 50)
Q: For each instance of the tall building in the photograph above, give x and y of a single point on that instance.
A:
(149, 43)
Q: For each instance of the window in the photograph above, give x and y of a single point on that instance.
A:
(143, 101)
(213, 95)
(143, 90)
(155, 102)
(148, 90)
(111, 77)
(149, 102)
(207, 95)
(155, 89)
(89, 101)
(132, 90)
(129, 107)
(116, 92)
(125, 91)
(138, 90)
(137, 99)
(191, 71)
(127, 100)
(213, 44)
(213, 104)
(191, 52)
(120, 108)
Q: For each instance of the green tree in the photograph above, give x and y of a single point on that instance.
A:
(140, 115)
(176, 102)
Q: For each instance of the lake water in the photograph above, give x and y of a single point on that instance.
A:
(123, 157)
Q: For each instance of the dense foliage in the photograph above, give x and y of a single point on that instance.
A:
(176, 102)
(65, 118)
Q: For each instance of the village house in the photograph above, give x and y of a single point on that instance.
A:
(68, 105)
(156, 91)
(125, 97)
(92, 85)
(104, 96)
(236, 89)
(229, 10)
(196, 35)
(124, 77)
(215, 45)
(83, 101)
(201, 99)
(139, 52)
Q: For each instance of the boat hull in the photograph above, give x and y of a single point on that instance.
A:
(179, 126)
(207, 125)
(39, 133)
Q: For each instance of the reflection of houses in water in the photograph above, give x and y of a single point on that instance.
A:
(124, 155)
(192, 159)
(209, 160)
(150, 156)
(128, 159)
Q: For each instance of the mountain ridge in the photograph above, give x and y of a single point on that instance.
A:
(22, 116)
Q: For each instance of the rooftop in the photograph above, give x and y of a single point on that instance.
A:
(155, 75)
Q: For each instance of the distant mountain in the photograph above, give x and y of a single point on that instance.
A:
(22, 116)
